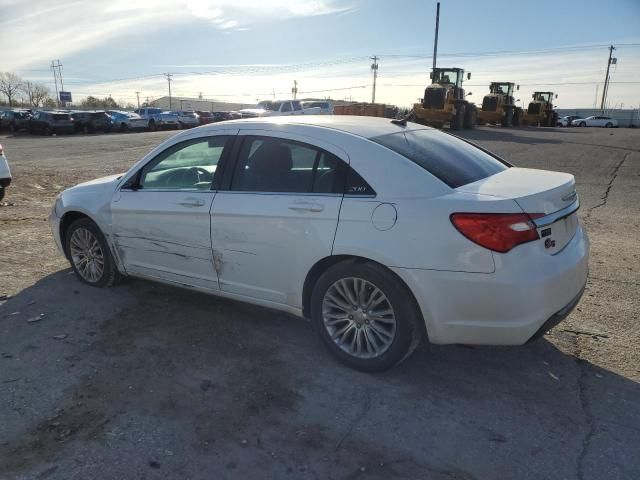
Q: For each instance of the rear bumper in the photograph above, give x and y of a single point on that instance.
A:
(557, 317)
(507, 307)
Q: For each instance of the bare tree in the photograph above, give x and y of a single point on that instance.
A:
(37, 93)
(10, 85)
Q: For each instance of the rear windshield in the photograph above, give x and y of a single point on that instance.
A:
(448, 158)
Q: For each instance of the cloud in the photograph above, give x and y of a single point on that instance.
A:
(70, 26)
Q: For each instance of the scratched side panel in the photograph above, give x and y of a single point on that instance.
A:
(157, 236)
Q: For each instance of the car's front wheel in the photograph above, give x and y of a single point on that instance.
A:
(365, 315)
(90, 255)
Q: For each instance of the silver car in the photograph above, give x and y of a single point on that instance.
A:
(126, 121)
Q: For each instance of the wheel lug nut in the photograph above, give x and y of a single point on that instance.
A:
(350, 317)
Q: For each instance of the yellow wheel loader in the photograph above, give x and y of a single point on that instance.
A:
(444, 101)
(540, 111)
(499, 106)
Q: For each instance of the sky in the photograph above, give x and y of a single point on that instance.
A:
(245, 51)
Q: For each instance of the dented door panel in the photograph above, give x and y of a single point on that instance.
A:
(166, 235)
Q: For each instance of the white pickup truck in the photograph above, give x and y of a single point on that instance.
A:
(267, 108)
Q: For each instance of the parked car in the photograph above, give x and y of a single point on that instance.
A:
(595, 121)
(268, 108)
(326, 108)
(187, 119)
(126, 121)
(566, 121)
(49, 123)
(224, 116)
(205, 117)
(376, 230)
(14, 120)
(91, 122)
(159, 119)
(5, 173)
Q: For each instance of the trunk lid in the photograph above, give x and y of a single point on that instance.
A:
(549, 197)
(535, 191)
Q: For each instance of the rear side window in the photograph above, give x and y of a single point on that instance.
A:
(269, 164)
(448, 158)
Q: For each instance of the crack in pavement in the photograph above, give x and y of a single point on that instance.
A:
(605, 197)
(586, 410)
(365, 410)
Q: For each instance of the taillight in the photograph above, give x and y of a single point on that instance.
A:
(499, 232)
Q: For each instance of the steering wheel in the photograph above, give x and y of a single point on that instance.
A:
(187, 177)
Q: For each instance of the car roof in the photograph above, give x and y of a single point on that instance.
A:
(361, 126)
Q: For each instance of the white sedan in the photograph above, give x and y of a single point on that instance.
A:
(378, 231)
(5, 173)
(595, 121)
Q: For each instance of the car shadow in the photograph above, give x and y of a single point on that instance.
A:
(95, 370)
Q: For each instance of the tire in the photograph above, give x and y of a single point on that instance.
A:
(12, 128)
(517, 117)
(470, 117)
(1, 193)
(457, 120)
(88, 232)
(47, 131)
(582, 124)
(124, 128)
(507, 120)
(608, 125)
(85, 129)
(402, 326)
(152, 126)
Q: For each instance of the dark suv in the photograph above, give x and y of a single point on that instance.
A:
(49, 123)
(14, 120)
(90, 122)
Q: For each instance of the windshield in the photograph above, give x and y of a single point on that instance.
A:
(448, 158)
(445, 76)
(501, 88)
(267, 105)
(542, 96)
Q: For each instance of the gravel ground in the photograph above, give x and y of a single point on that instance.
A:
(145, 381)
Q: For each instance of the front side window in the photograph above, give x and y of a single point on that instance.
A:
(189, 165)
(286, 107)
(296, 105)
(268, 164)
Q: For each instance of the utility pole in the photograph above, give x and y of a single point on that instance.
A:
(606, 78)
(294, 90)
(57, 75)
(169, 82)
(595, 100)
(374, 69)
(435, 43)
(138, 95)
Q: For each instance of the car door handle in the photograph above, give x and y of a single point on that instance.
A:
(191, 202)
(306, 207)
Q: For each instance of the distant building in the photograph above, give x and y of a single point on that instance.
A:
(194, 104)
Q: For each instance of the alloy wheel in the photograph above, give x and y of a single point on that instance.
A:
(358, 317)
(87, 255)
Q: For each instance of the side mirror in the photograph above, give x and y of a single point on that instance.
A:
(468, 75)
(556, 95)
(470, 93)
(517, 87)
(533, 96)
(430, 75)
(517, 100)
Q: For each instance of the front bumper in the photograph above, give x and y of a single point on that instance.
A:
(507, 307)
(54, 223)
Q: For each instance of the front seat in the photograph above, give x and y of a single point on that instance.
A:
(270, 168)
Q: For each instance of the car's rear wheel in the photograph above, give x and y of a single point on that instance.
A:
(89, 254)
(47, 131)
(365, 316)
(583, 124)
(609, 125)
(1, 193)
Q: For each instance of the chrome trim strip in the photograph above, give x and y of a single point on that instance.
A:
(559, 215)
